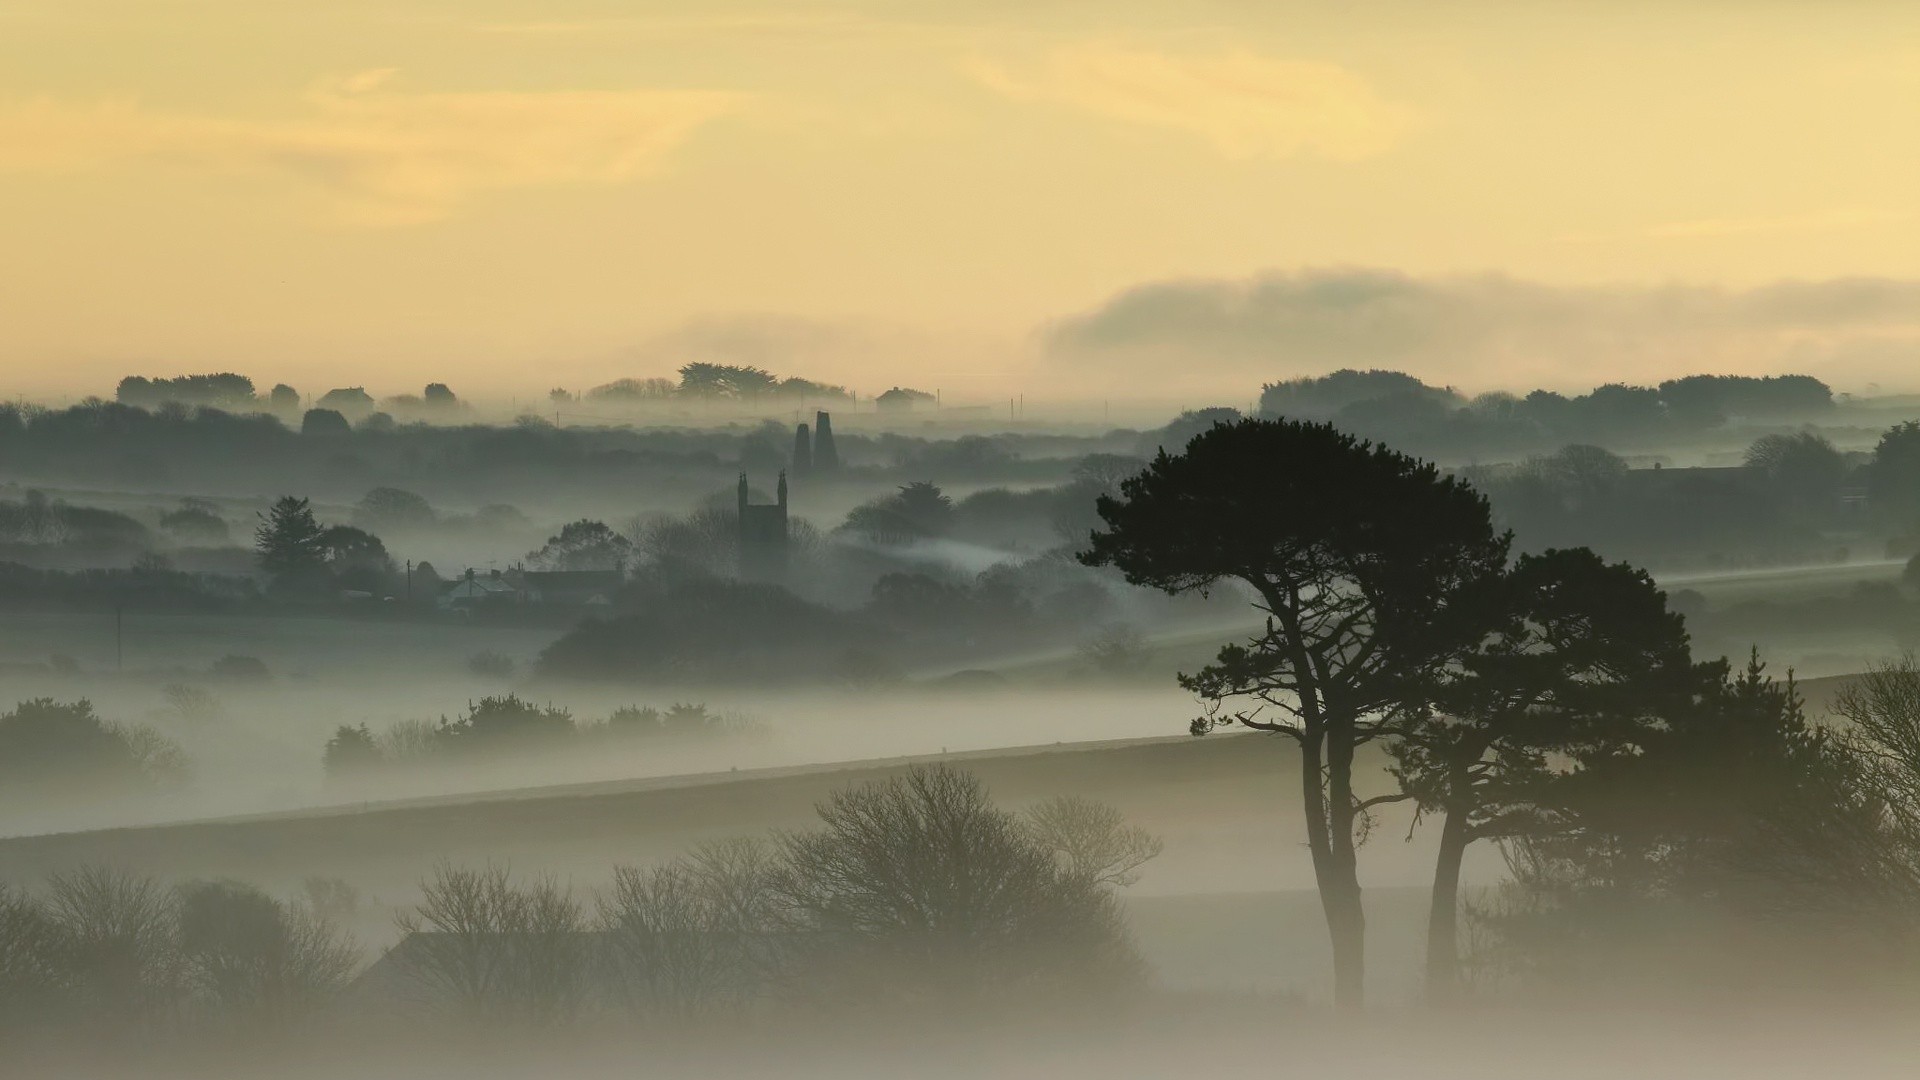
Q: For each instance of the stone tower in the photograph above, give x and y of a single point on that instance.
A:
(826, 458)
(802, 452)
(763, 535)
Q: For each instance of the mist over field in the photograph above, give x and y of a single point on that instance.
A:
(959, 540)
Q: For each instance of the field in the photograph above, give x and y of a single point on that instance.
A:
(1228, 906)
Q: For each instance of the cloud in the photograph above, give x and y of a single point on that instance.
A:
(1246, 105)
(1490, 331)
(380, 156)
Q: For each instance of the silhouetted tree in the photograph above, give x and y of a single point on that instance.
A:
(1804, 468)
(583, 545)
(1354, 553)
(351, 750)
(288, 542)
(52, 749)
(1582, 659)
(918, 511)
(324, 422)
(356, 558)
(1893, 476)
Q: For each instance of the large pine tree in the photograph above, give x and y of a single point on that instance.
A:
(288, 542)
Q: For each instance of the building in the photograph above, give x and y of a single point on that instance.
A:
(763, 535)
(901, 399)
(826, 456)
(474, 590)
(802, 463)
(571, 588)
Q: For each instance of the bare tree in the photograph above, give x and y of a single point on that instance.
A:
(1092, 840)
(118, 942)
(920, 889)
(489, 950)
(693, 936)
(30, 971)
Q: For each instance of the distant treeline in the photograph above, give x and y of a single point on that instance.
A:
(1435, 419)
(702, 381)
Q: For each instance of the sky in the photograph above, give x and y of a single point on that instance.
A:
(1053, 197)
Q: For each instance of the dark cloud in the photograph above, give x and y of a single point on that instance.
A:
(1480, 332)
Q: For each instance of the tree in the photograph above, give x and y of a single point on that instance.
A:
(283, 398)
(31, 968)
(119, 942)
(505, 720)
(1804, 468)
(1734, 812)
(393, 508)
(324, 422)
(255, 956)
(440, 396)
(919, 887)
(918, 511)
(1582, 660)
(356, 558)
(583, 545)
(51, 749)
(288, 542)
(491, 950)
(351, 751)
(693, 936)
(1893, 476)
(1091, 840)
(1354, 554)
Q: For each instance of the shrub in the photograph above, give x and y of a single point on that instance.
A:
(49, 748)
(920, 890)
(351, 751)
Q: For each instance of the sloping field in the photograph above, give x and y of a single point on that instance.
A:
(1225, 805)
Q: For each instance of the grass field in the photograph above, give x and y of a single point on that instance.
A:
(1228, 905)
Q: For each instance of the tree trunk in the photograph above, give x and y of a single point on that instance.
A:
(1327, 792)
(1443, 916)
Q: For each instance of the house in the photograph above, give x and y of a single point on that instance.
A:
(472, 590)
(901, 399)
(570, 588)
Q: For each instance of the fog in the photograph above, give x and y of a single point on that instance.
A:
(700, 742)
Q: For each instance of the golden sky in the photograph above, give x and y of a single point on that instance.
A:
(989, 197)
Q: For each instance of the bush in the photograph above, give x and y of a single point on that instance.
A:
(919, 890)
(50, 749)
(351, 751)
(253, 956)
